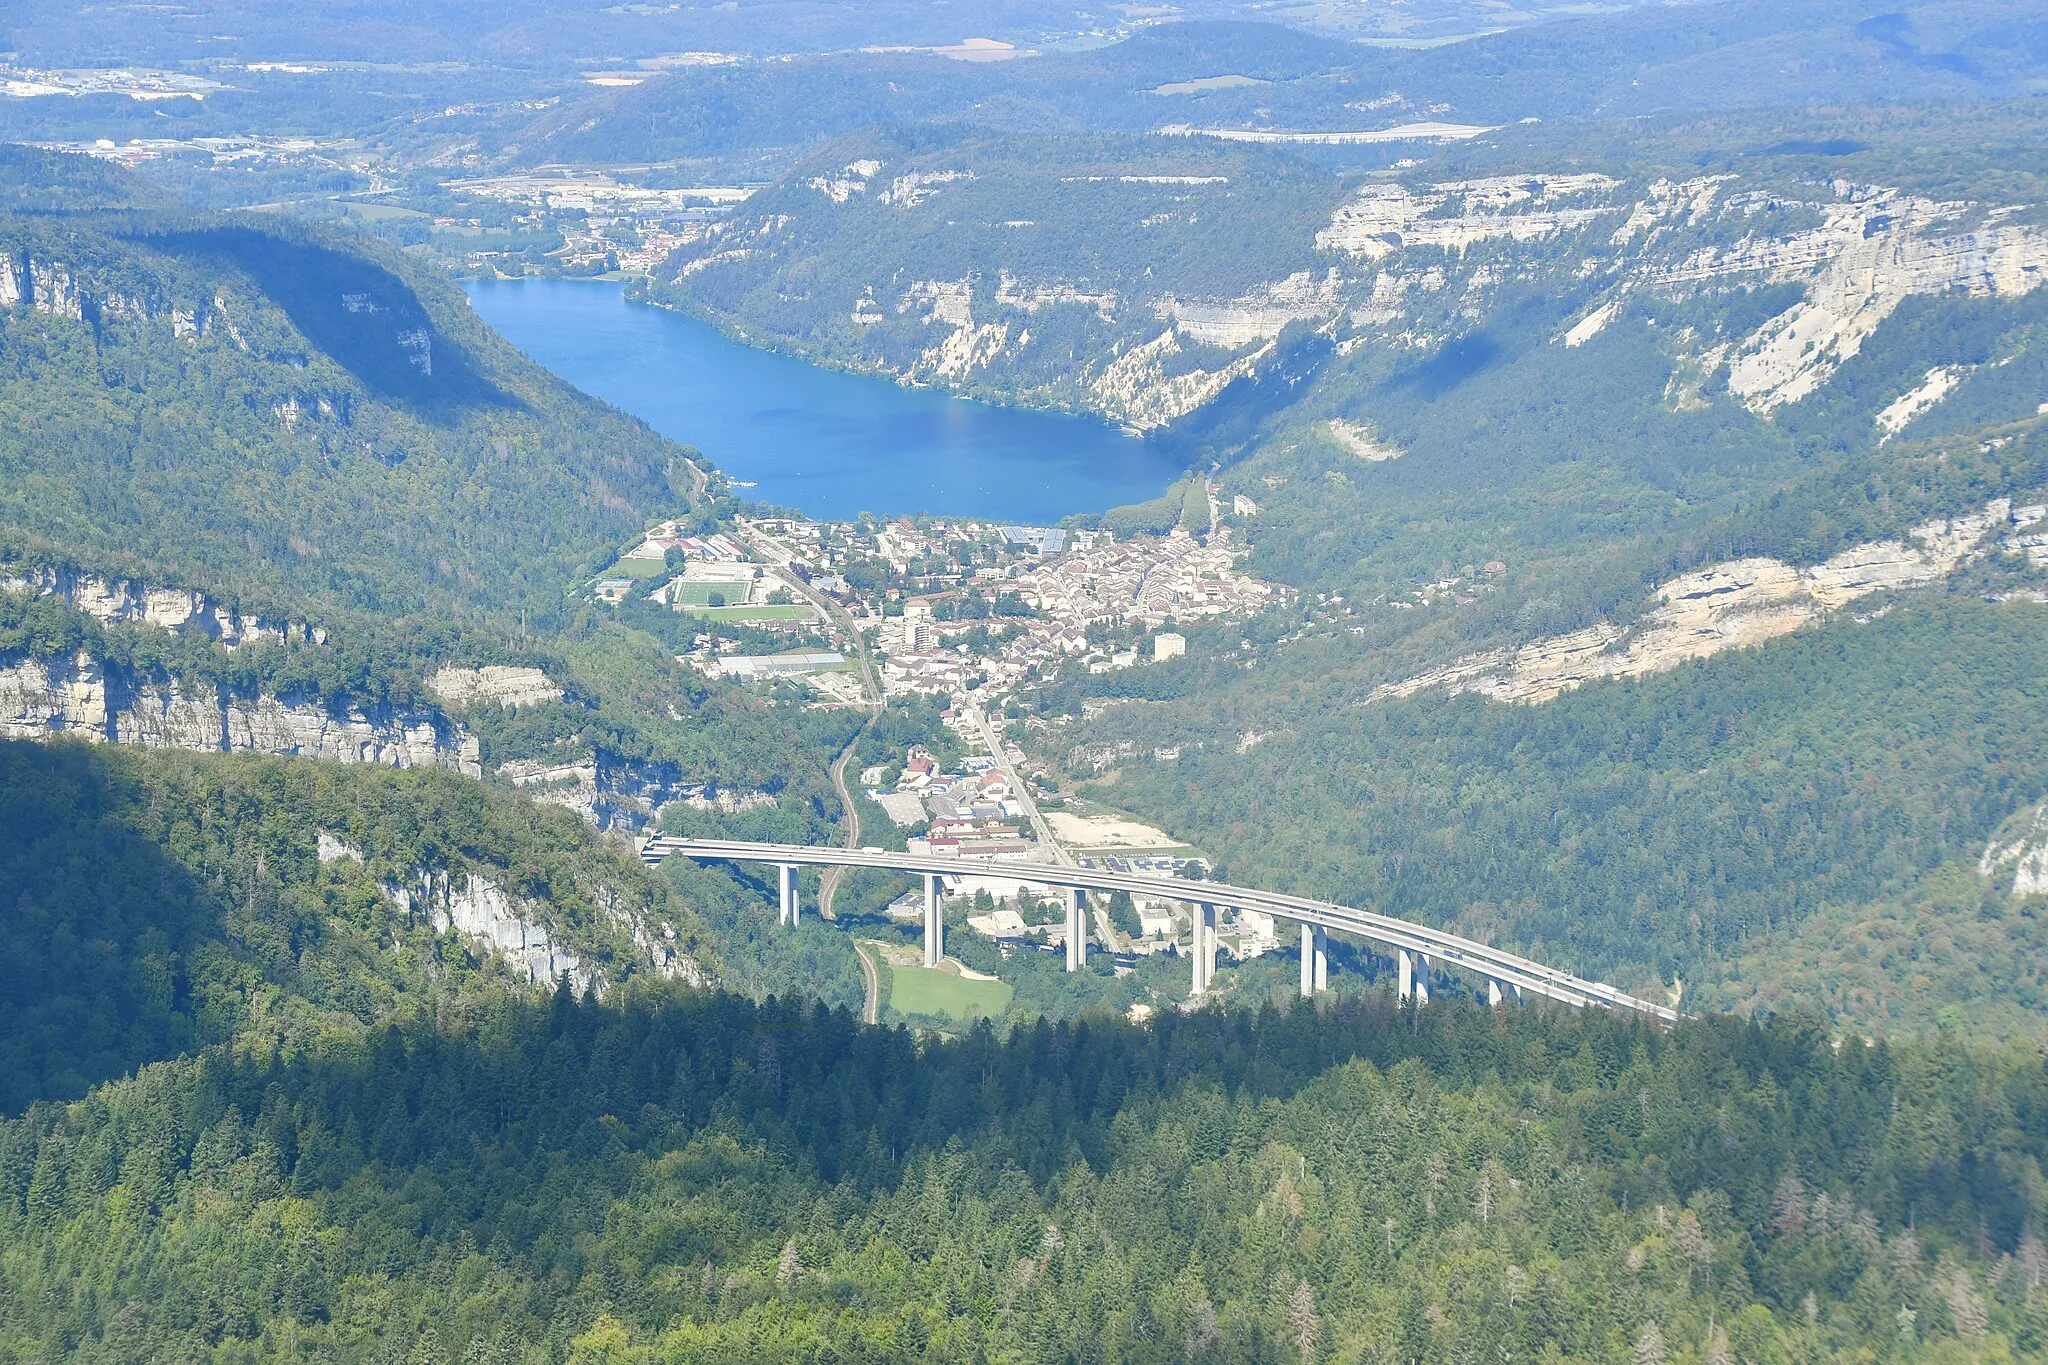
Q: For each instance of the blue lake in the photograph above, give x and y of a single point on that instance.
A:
(830, 443)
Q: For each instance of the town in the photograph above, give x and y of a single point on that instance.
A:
(963, 608)
(968, 612)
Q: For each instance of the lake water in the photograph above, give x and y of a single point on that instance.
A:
(829, 443)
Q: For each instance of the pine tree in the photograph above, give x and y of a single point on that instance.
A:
(1650, 1344)
(1302, 1325)
(1966, 1306)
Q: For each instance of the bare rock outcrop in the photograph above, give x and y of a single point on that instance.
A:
(1723, 606)
(42, 697)
(517, 931)
(492, 685)
(122, 601)
(2021, 847)
(621, 794)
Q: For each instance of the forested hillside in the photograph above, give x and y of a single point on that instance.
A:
(679, 1178)
(1727, 824)
(245, 405)
(159, 903)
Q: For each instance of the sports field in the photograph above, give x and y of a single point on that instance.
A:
(930, 991)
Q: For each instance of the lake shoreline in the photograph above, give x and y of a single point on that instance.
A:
(828, 440)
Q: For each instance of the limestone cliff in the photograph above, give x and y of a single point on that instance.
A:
(121, 601)
(2020, 848)
(44, 697)
(520, 932)
(1723, 606)
(40, 697)
(616, 793)
(1401, 264)
(492, 685)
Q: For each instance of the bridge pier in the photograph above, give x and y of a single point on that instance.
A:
(1077, 931)
(1493, 992)
(1413, 944)
(934, 922)
(1205, 948)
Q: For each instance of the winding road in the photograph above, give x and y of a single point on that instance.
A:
(781, 554)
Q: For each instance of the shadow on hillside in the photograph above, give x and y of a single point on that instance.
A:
(99, 930)
(360, 315)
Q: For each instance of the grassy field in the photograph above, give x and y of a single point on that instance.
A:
(378, 213)
(761, 613)
(699, 594)
(637, 568)
(929, 991)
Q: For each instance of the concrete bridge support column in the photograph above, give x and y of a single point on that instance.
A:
(788, 915)
(1322, 958)
(1422, 978)
(934, 923)
(1407, 974)
(1077, 931)
(1205, 948)
(1308, 960)
(1493, 992)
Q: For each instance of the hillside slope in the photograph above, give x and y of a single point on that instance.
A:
(683, 1178)
(159, 903)
(247, 406)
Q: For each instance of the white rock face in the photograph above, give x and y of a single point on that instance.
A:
(518, 932)
(908, 191)
(39, 699)
(622, 794)
(945, 301)
(508, 927)
(1918, 399)
(1724, 606)
(54, 291)
(1135, 389)
(1590, 326)
(1013, 293)
(1360, 440)
(1260, 314)
(493, 684)
(2024, 849)
(967, 349)
(854, 180)
(1874, 249)
(126, 602)
(1385, 218)
(334, 850)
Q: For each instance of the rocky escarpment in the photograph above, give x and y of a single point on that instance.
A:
(1400, 264)
(182, 611)
(2019, 849)
(619, 793)
(492, 685)
(521, 933)
(40, 698)
(1726, 606)
(79, 695)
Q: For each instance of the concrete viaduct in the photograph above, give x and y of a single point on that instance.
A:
(1415, 946)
